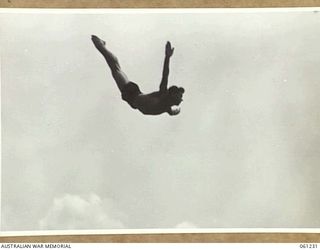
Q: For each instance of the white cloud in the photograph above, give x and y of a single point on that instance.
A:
(185, 224)
(77, 212)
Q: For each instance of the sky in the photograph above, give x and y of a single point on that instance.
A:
(243, 152)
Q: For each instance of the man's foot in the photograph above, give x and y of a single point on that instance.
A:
(98, 42)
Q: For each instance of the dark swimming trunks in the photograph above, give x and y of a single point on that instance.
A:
(129, 92)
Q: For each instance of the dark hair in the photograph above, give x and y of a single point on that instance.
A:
(176, 90)
(175, 95)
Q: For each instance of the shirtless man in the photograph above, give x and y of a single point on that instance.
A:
(165, 100)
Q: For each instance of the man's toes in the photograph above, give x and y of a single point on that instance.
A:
(97, 40)
(94, 38)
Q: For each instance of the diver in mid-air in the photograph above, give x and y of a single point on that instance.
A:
(165, 100)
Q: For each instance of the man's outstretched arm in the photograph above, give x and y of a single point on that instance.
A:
(165, 72)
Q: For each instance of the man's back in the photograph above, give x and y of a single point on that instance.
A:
(152, 104)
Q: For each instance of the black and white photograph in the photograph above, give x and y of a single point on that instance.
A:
(176, 119)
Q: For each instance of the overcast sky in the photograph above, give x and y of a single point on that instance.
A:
(243, 152)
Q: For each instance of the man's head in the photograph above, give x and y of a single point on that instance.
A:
(175, 95)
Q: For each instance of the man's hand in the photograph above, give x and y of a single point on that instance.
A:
(174, 110)
(169, 49)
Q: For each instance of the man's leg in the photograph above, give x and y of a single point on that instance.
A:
(118, 75)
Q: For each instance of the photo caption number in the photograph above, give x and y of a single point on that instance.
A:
(308, 245)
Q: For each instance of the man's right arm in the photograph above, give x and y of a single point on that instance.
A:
(165, 72)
